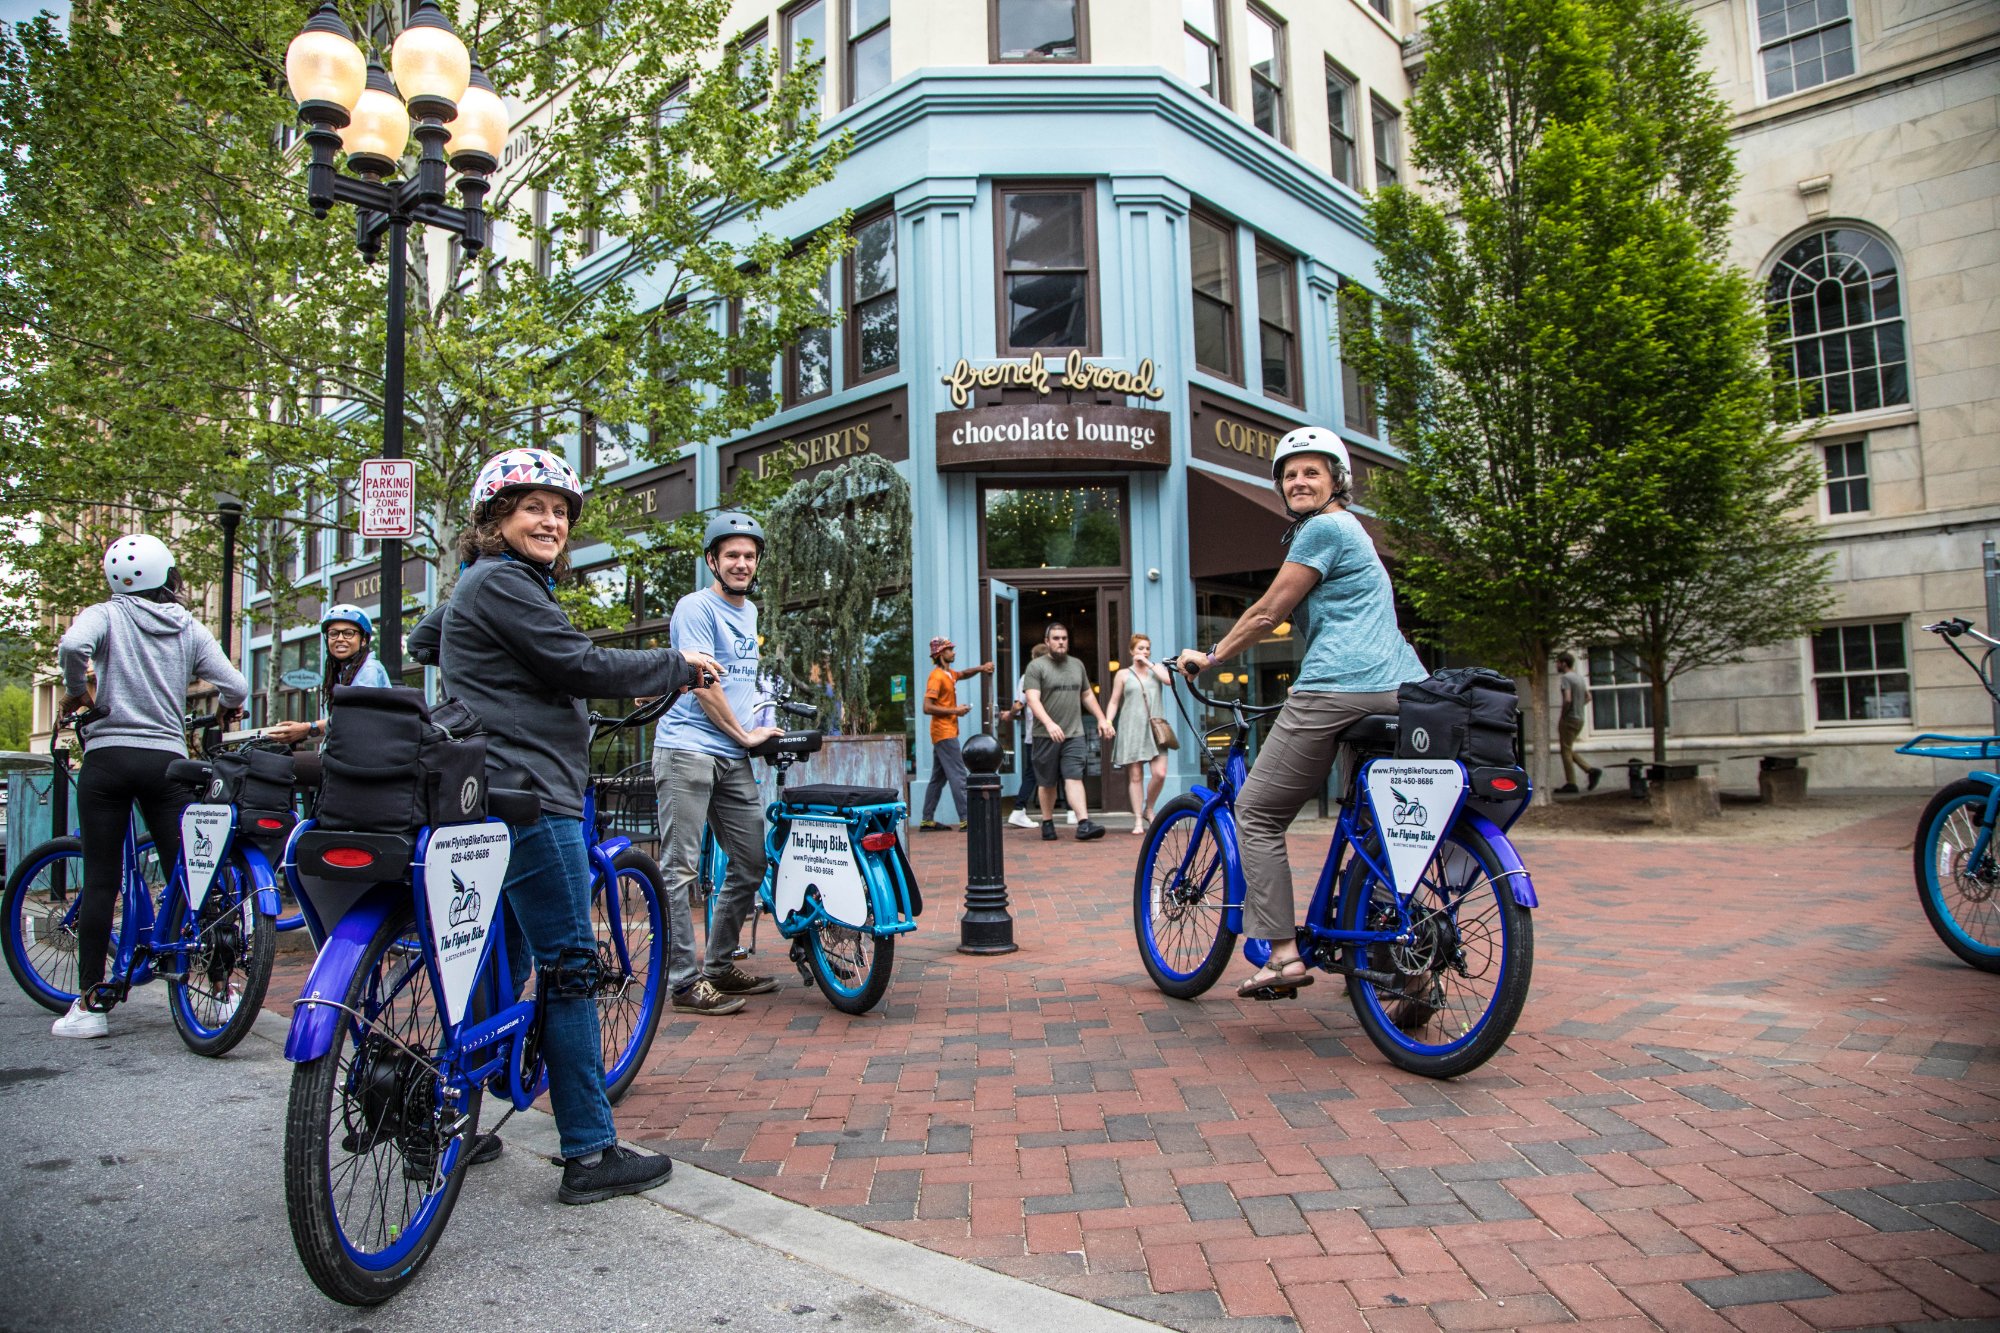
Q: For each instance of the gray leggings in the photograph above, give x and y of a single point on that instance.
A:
(1291, 769)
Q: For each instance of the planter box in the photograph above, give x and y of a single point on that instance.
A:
(879, 759)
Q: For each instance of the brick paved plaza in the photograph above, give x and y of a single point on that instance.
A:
(1750, 1090)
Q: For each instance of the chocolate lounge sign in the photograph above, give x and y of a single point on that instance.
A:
(1077, 374)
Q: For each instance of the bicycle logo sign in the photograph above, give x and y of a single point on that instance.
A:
(464, 867)
(464, 902)
(1413, 801)
(1408, 811)
(204, 837)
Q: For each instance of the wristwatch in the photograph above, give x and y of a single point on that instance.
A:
(312, 731)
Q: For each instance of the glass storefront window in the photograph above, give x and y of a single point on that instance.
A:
(1053, 527)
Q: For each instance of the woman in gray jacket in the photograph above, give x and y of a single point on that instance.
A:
(146, 650)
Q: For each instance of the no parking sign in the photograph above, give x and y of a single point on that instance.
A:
(389, 498)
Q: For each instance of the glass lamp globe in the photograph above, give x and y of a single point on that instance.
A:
(481, 125)
(323, 64)
(428, 58)
(380, 129)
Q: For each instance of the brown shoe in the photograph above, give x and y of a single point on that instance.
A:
(703, 998)
(733, 980)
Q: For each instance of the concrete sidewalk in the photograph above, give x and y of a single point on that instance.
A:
(144, 1190)
(1751, 1090)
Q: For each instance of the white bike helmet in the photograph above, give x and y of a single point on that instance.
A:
(527, 470)
(350, 613)
(137, 563)
(1309, 440)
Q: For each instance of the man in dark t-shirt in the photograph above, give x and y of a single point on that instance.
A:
(1058, 690)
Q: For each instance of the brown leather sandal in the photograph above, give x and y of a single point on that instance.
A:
(1280, 986)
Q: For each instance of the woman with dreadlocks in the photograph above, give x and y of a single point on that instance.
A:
(1334, 588)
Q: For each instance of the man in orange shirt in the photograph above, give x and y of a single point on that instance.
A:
(941, 702)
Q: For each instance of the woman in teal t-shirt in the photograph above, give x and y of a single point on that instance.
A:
(1333, 588)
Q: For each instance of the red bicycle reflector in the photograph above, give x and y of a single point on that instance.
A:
(878, 842)
(1503, 784)
(271, 823)
(348, 858)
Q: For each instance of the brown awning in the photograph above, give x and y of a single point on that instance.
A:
(1237, 525)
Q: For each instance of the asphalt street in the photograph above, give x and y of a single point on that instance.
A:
(143, 1189)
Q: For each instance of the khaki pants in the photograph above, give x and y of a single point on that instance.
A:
(1566, 732)
(1291, 769)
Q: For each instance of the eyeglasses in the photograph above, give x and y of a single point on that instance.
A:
(343, 632)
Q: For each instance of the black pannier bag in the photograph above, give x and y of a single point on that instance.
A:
(1465, 713)
(259, 783)
(393, 763)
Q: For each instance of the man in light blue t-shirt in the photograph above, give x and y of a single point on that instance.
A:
(701, 774)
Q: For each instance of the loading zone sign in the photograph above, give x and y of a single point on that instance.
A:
(204, 838)
(1414, 801)
(464, 869)
(389, 498)
(819, 857)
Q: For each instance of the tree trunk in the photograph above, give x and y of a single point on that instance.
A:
(1537, 757)
(1656, 684)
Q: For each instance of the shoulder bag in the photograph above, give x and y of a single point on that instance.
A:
(1163, 730)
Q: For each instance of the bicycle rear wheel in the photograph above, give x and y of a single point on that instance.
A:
(851, 965)
(1462, 980)
(375, 1148)
(1961, 899)
(1177, 902)
(229, 946)
(630, 925)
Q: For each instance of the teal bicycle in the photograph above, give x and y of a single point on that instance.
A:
(1957, 873)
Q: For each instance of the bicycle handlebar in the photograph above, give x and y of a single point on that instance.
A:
(1231, 705)
(1959, 625)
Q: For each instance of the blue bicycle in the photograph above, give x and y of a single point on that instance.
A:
(1422, 904)
(203, 926)
(409, 1018)
(1957, 872)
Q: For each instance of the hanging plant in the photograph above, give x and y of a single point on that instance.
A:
(836, 543)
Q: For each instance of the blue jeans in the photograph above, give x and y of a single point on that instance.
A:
(547, 896)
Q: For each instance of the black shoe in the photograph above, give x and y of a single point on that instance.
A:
(1048, 830)
(1567, 789)
(930, 826)
(619, 1171)
(1596, 776)
(1088, 829)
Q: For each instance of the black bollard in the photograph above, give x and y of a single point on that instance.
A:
(986, 926)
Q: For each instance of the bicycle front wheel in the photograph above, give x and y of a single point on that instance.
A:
(375, 1145)
(1177, 902)
(631, 930)
(1462, 979)
(1961, 898)
(228, 947)
(39, 928)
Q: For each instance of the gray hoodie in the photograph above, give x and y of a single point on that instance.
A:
(146, 654)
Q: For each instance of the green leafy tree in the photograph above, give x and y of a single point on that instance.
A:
(16, 716)
(838, 543)
(1576, 377)
(176, 322)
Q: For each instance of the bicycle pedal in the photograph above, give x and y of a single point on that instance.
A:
(1269, 993)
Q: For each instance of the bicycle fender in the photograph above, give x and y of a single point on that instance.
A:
(602, 854)
(1516, 873)
(314, 1025)
(262, 880)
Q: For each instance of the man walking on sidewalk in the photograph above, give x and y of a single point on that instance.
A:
(941, 703)
(1058, 690)
(1575, 695)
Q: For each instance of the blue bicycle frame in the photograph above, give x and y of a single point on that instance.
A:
(888, 887)
(1931, 745)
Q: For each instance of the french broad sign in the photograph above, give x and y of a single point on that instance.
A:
(389, 498)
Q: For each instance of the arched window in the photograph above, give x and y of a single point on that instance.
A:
(1844, 320)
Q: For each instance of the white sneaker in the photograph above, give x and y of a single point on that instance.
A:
(1072, 817)
(1019, 819)
(81, 1023)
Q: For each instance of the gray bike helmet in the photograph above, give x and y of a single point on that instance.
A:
(732, 523)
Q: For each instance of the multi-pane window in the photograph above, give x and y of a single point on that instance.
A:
(1357, 394)
(1861, 673)
(749, 51)
(1267, 73)
(1388, 142)
(1846, 476)
(602, 447)
(1844, 316)
(1039, 30)
(1803, 43)
(344, 522)
(1201, 44)
(1213, 247)
(744, 313)
(1621, 698)
(309, 536)
(805, 44)
(809, 361)
(1047, 274)
(872, 317)
(1340, 115)
(867, 48)
(1278, 323)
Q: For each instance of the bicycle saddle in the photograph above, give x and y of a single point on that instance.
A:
(791, 742)
(1377, 731)
(511, 797)
(190, 772)
(840, 796)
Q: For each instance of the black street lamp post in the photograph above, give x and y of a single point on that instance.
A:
(348, 101)
(229, 513)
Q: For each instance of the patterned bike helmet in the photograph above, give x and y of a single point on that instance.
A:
(137, 563)
(527, 470)
(732, 523)
(1309, 440)
(350, 613)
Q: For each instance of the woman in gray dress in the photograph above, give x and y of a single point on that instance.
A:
(1135, 701)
